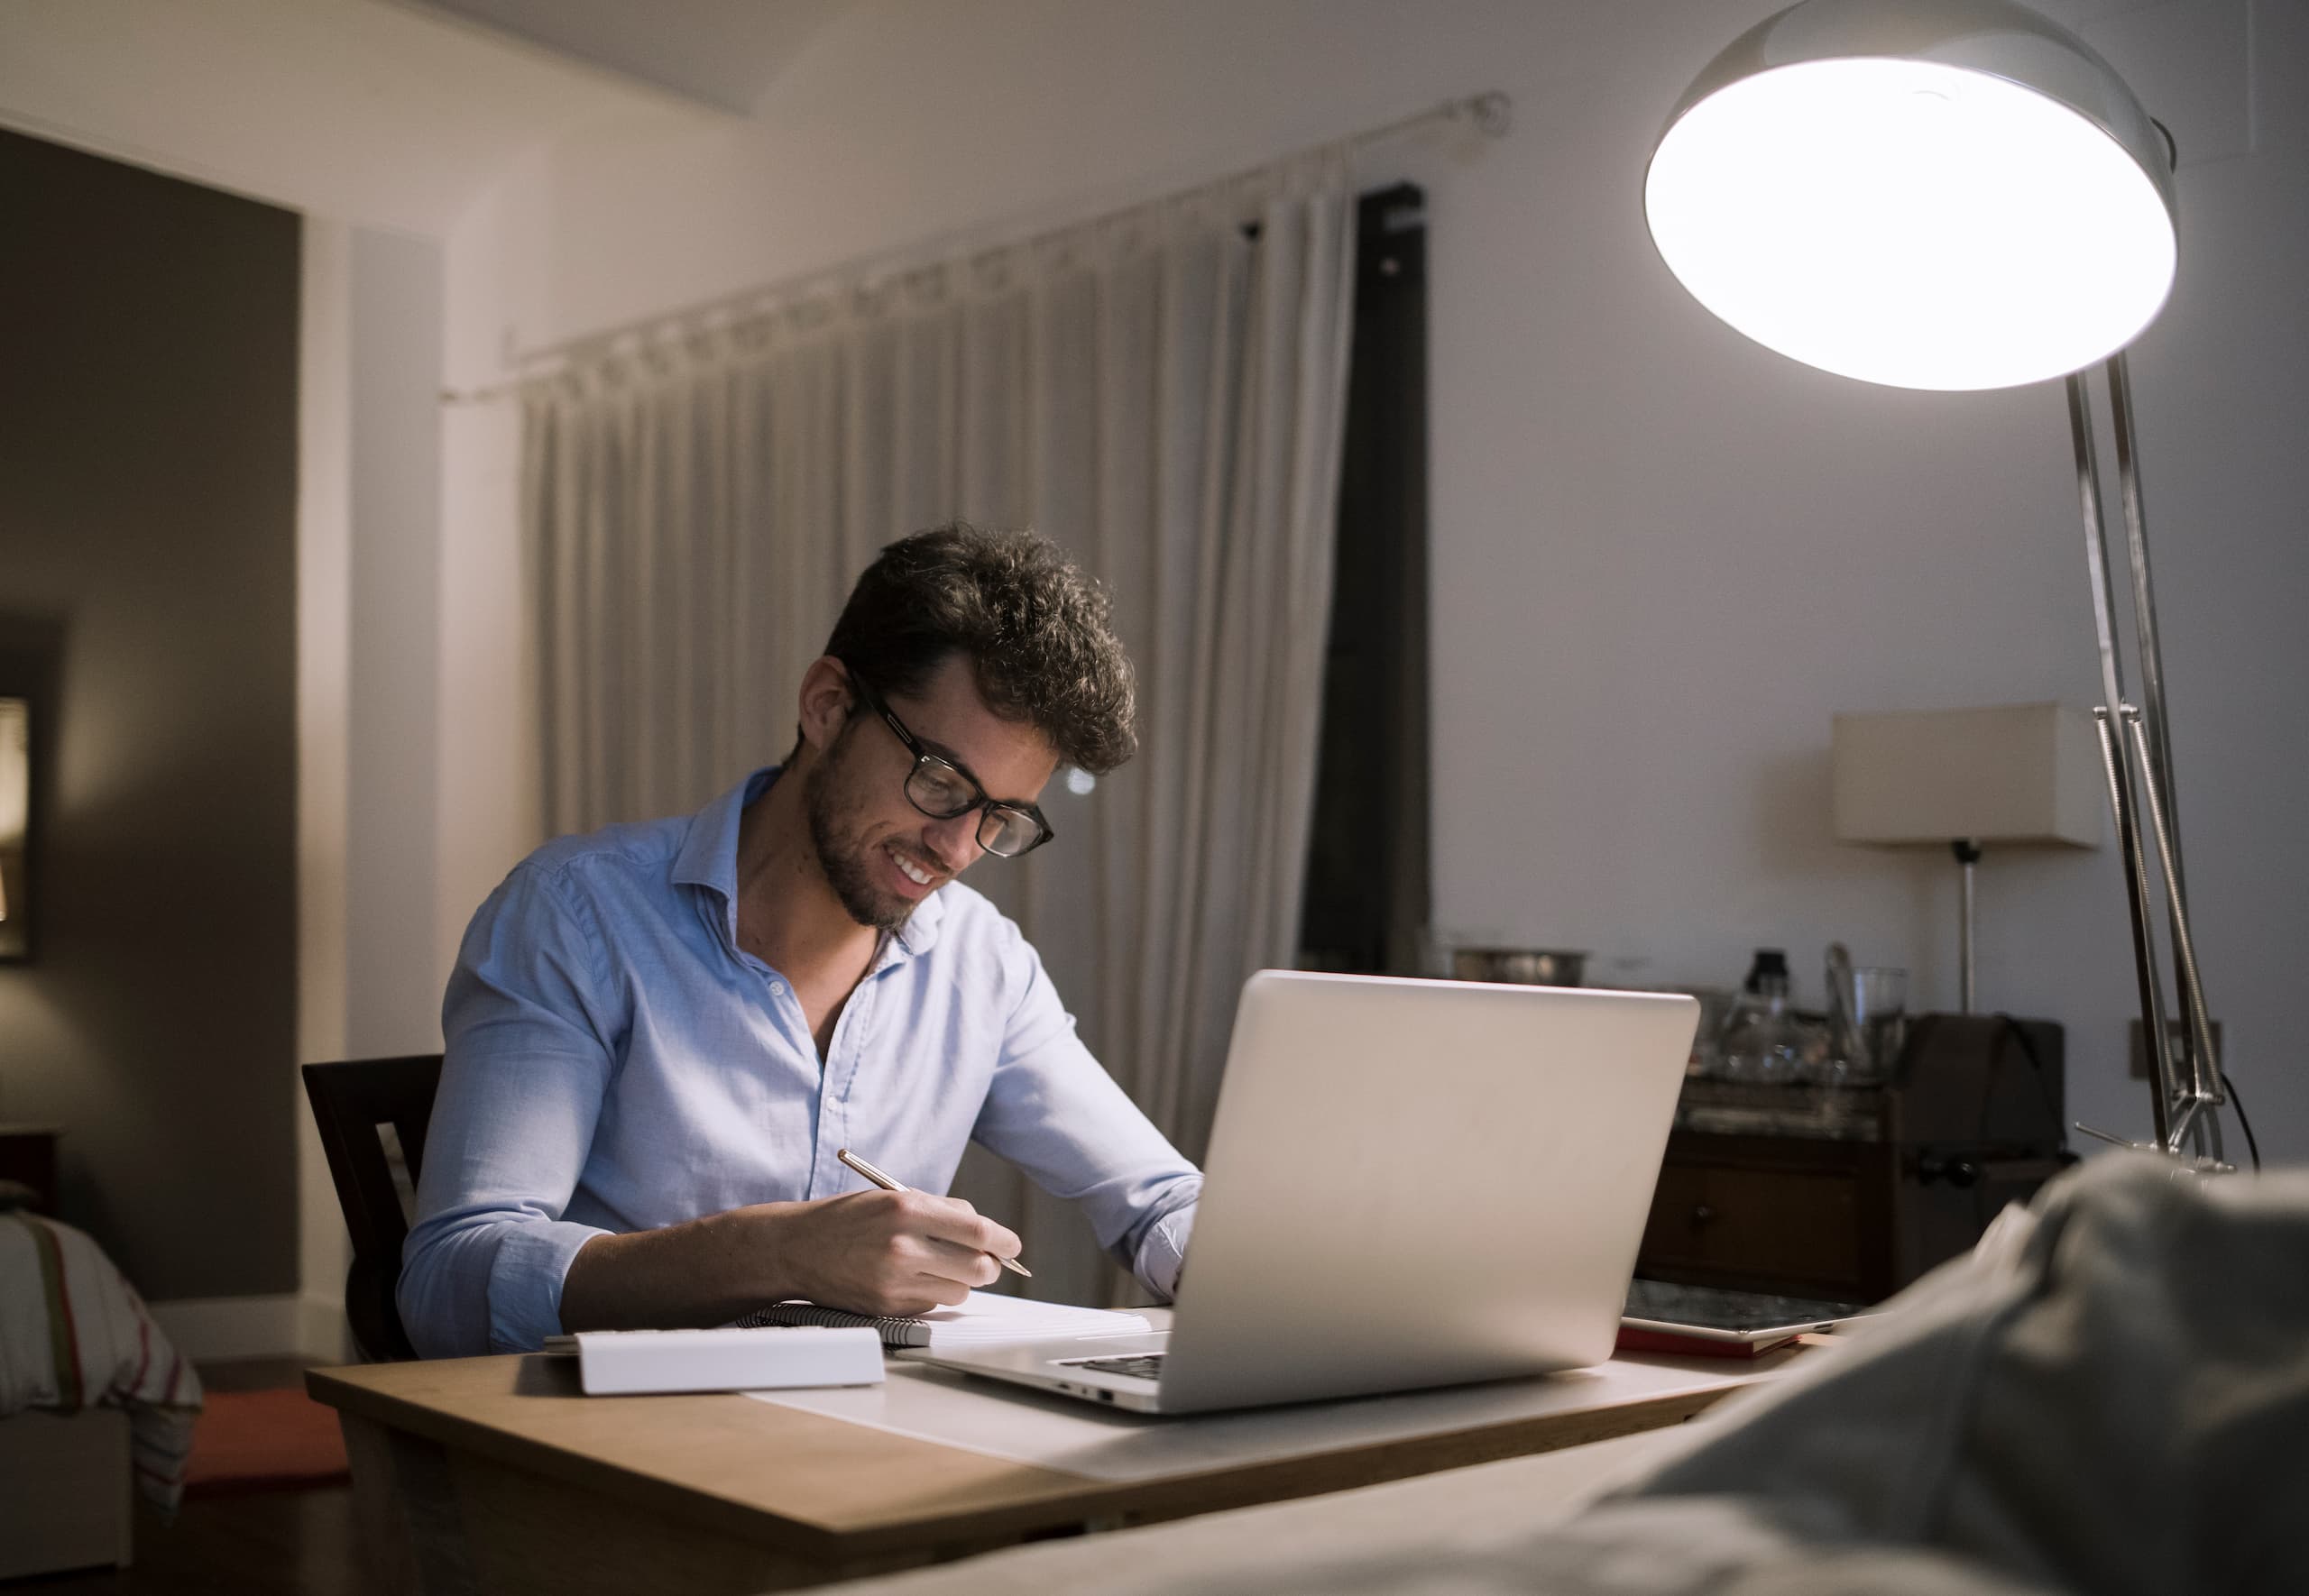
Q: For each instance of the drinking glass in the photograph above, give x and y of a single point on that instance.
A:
(1875, 998)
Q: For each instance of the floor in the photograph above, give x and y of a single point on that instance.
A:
(281, 1543)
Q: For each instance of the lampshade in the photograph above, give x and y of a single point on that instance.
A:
(1938, 194)
(2014, 774)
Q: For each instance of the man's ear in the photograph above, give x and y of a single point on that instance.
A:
(825, 704)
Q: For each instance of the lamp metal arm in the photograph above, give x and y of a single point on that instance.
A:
(2135, 742)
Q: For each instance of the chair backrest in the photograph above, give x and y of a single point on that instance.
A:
(354, 1103)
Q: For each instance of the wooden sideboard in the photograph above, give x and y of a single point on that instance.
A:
(1849, 1193)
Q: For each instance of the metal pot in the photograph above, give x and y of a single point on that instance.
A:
(1528, 967)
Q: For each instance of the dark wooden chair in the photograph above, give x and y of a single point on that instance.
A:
(353, 1103)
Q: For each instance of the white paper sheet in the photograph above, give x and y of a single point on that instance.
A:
(984, 1318)
(1023, 1426)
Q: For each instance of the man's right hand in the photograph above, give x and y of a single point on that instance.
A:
(896, 1252)
(880, 1251)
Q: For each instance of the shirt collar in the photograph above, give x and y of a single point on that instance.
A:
(709, 855)
(709, 858)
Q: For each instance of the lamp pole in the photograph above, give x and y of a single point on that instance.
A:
(2135, 754)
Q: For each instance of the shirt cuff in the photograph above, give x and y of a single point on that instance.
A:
(1163, 1253)
(525, 1282)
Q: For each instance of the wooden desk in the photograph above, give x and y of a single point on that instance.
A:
(495, 1474)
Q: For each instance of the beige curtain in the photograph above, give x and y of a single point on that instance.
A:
(1163, 393)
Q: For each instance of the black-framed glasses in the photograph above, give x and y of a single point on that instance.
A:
(943, 790)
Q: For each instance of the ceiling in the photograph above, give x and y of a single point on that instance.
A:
(400, 114)
(723, 53)
(396, 114)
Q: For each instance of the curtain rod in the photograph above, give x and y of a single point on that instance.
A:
(1491, 113)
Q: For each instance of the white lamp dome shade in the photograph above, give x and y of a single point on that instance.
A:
(1939, 194)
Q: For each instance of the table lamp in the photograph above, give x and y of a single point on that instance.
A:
(2018, 775)
(1953, 195)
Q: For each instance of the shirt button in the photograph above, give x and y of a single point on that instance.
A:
(778, 988)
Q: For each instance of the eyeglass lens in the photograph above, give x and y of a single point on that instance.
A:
(940, 791)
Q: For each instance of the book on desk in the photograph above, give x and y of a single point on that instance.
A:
(639, 1362)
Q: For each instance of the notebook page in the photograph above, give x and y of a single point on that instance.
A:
(984, 1318)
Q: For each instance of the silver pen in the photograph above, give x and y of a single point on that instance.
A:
(886, 1184)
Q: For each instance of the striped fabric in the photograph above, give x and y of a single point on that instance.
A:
(74, 1334)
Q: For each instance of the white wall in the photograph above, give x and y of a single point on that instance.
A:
(393, 997)
(488, 776)
(369, 658)
(1662, 556)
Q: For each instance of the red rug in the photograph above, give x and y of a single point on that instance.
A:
(264, 1440)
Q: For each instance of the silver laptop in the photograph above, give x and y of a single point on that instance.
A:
(1410, 1183)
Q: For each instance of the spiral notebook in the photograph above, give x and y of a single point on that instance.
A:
(985, 1319)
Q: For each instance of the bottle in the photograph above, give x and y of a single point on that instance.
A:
(1761, 1042)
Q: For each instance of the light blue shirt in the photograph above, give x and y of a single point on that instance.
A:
(616, 1063)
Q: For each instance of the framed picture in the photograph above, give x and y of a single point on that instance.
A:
(16, 824)
(29, 652)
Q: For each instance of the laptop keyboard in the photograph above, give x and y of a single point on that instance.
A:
(1146, 1365)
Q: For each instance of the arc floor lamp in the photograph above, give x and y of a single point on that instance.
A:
(1953, 195)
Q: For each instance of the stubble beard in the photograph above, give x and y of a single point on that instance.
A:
(845, 860)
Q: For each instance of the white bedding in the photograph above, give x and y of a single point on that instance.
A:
(74, 1334)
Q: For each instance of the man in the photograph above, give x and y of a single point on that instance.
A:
(659, 1035)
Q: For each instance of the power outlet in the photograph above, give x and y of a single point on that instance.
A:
(2137, 1044)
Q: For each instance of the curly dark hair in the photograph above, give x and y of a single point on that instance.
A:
(1034, 628)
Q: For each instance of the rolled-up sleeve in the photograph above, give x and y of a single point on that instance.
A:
(530, 1028)
(1055, 1113)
